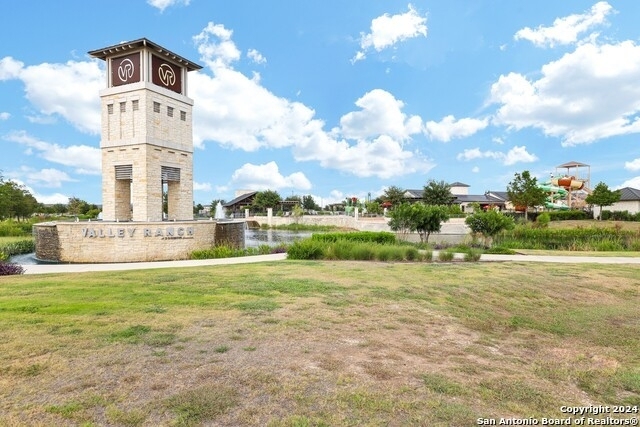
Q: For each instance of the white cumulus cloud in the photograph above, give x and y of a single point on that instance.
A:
(516, 155)
(572, 98)
(388, 30)
(369, 142)
(68, 90)
(380, 114)
(449, 128)
(268, 177)
(215, 45)
(85, 159)
(201, 186)
(47, 177)
(256, 56)
(163, 4)
(633, 183)
(633, 165)
(567, 29)
(4, 116)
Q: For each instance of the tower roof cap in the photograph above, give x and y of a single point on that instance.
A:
(125, 47)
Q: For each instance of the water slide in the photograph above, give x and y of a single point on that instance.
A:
(568, 183)
(555, 196)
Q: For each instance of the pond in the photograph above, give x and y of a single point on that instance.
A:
(252, 239)
(256, 237)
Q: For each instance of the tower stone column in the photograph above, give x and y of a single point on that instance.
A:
(147, 135)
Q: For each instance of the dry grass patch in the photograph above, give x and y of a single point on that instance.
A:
(318, 343)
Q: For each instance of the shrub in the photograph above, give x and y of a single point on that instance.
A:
(426, 256)
(568, 215)
(306, 249)
(10, 268)
(500, 250)
(280, 249)
(18, 247)
(363, 252)
(489, 224)
(620, 216)
(11, 228)
(411, 254)
(542, 221)
(472, 255)
(445, 256)
(389, 253)
(381, 237)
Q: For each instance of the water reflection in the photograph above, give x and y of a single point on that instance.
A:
(256, 237)
(252, 239)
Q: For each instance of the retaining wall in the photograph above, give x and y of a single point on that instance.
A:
(106, 242)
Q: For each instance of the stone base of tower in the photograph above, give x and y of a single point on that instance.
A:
(109, 242)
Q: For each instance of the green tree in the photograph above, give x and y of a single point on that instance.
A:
(401, 219)
(603, 196)
(437, 193)
(373, 207)
(523, 191)
(27, 204)
(428, 219)
(393, 195)
(15, 200)
(489, 224)
(297, 212)
(59, 208)
(309, 203)
(266, 199)
(77, 206)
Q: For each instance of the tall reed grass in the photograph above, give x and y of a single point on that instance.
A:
(310, 249)
(577, 239)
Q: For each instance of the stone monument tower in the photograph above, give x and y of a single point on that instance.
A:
(147, 137)
(147, 149)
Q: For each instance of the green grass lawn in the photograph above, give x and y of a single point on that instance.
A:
(10, 239)
(301, 343)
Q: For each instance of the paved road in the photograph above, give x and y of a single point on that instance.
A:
(71, 268)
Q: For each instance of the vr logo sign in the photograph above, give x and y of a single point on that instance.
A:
(166, 74)
(125, 69)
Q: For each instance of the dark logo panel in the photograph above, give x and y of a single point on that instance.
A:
(125, 69)
(166, 74)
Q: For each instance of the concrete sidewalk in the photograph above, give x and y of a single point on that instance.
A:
(77, 268)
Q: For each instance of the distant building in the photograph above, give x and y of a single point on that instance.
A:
(629, 201)
(235, 208)
(460, 192)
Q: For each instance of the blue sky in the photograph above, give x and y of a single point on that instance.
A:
(336, 98)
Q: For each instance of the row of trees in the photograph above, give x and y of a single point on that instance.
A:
(433, 193)
(16, 201)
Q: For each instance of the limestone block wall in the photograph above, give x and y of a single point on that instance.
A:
(46, 242)
(106, 242)
(145, 113)
(148, 127)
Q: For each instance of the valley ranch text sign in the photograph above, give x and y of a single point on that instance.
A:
(165, 233)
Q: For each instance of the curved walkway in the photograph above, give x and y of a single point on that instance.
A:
(77, 268)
